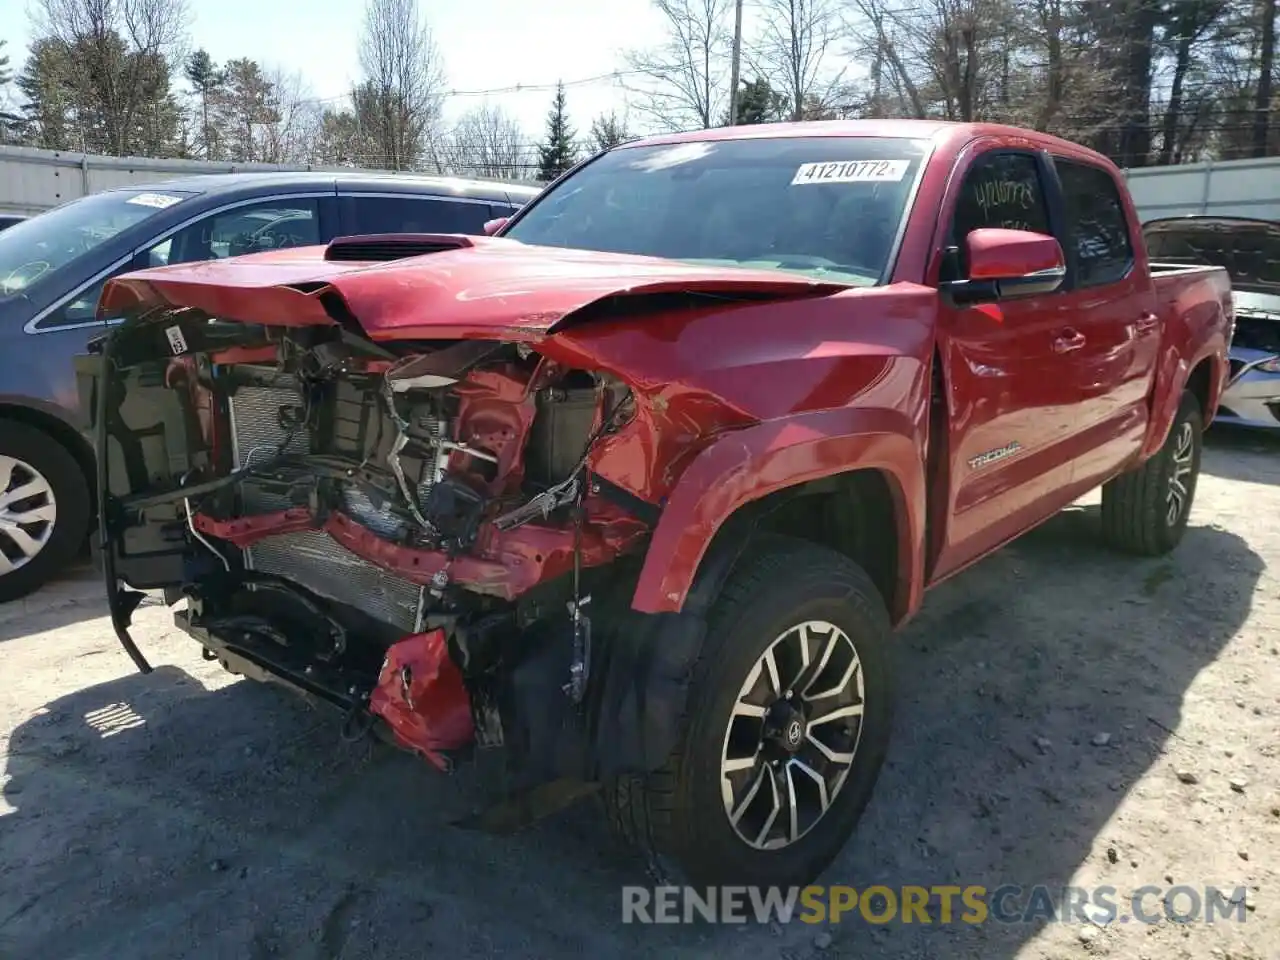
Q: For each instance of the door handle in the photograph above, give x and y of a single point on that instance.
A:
(1067, 341)
(1146, 323)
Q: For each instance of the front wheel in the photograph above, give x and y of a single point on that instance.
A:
(44, 509)
(1145, 511)
(788, 726)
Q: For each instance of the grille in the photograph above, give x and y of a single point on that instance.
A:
(316, 561)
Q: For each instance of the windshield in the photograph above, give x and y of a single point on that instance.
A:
(826, 207)
(1248, 249)
(33, 249)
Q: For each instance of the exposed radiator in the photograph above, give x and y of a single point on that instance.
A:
(311, 558)
(257, 432)
(315, 560)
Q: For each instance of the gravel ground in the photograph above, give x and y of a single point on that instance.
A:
(187, 814)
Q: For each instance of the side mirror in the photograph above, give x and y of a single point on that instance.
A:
(1006, 264)
(493, 226)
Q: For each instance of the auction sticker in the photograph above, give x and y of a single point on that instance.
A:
(852, 171)
(177, 342)
(157, 200)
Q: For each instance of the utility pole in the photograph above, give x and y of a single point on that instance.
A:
(737, 60)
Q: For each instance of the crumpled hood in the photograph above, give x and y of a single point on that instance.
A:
(488, 288)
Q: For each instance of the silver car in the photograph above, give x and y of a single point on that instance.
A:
(1250, 251)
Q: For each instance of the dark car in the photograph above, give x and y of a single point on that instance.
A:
(10, 219)
(52, 270)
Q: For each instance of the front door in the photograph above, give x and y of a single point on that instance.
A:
(1011, 373)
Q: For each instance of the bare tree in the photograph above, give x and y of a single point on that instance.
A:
(685, 78)
(486, 142)
(894, 89)
(1262, 105)
(124, 51)
(791, 53)
(404, 82)
(294, 130)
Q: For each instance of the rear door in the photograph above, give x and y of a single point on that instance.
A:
(1114, 303)
(363, 214)
(1012, 371)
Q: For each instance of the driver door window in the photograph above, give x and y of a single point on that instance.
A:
(1000, 190)
(272, 225)
(254, 228)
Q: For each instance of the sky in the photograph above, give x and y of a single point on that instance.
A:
(488, 45)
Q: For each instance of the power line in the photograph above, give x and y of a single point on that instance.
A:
(615, 75)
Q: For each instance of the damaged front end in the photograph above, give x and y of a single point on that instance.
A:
(1252, 395)
(412, 532)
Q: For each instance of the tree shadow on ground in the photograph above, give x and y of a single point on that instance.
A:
(156, 817)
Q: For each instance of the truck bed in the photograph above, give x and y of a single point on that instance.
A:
(1187, 301)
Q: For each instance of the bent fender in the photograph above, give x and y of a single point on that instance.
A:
(748, 464)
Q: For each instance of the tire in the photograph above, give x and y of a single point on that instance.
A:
(678, 813)
(56, 514)
(1138, 507)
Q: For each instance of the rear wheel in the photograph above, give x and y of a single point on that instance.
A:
(44, 509)
(787, 730)
(1145, 511)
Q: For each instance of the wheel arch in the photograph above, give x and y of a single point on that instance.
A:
(855, 513)
(1201, 381)
(58, 429)
(1205, 378)
(859, 492)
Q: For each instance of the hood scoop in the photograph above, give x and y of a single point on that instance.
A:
(386, 247)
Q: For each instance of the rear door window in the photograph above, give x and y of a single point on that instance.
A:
(366, 215)
(1097, 228)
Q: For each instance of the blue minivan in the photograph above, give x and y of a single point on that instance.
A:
(52, 270)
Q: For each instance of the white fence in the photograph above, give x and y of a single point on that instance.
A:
(1238, 188)
(35, 180)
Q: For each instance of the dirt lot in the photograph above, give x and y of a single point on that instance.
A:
(185, 814)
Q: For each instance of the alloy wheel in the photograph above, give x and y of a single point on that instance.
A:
(792, 735)
(28, 512)
(1178, 494)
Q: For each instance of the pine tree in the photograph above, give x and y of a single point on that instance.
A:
(205, 79)
(607, 131)
(10, 123)
(558, 154)
(758, 102)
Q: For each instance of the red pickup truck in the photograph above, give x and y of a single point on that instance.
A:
(637, 487)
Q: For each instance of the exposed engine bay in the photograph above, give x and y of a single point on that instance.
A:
(411, 462)
(414, 534)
